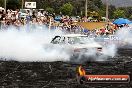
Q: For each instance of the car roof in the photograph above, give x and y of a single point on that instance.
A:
(74, 35)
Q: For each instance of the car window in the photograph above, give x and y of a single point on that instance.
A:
(79, 40)
(73, 40)
(56, 40)
(62, 40)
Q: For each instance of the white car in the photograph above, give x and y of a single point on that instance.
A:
(22, 15)
(77, 44)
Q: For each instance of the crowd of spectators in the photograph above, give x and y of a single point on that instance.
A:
(34, 18)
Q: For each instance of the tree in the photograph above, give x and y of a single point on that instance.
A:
(102, 13)
(67, 9)
(111, 11)
(1, 3)
(128, 11)
(13, 4)
(98, 3)
(78, 7)
(130, 17)
(119, 13)
(50, 10)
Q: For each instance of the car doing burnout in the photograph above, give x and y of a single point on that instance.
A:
(77, 43)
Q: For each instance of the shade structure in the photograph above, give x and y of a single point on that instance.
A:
(121, 21)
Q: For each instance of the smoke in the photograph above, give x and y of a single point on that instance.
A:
(32, 45)
(126, 35)
(121, 39)
(108, 51)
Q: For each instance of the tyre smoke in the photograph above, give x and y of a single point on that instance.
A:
(34, 45)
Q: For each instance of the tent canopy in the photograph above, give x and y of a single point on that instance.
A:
(121, 21)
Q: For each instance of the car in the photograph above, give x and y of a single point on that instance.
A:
(23, 13)
(78, 44)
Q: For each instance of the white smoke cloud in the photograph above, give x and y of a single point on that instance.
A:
(21, 45)
(34, 45)
(125, 34)
(121, 38)
(108, 51)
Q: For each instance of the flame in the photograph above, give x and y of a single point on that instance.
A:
(81, 71)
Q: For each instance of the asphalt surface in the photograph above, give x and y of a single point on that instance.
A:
(15, 74)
